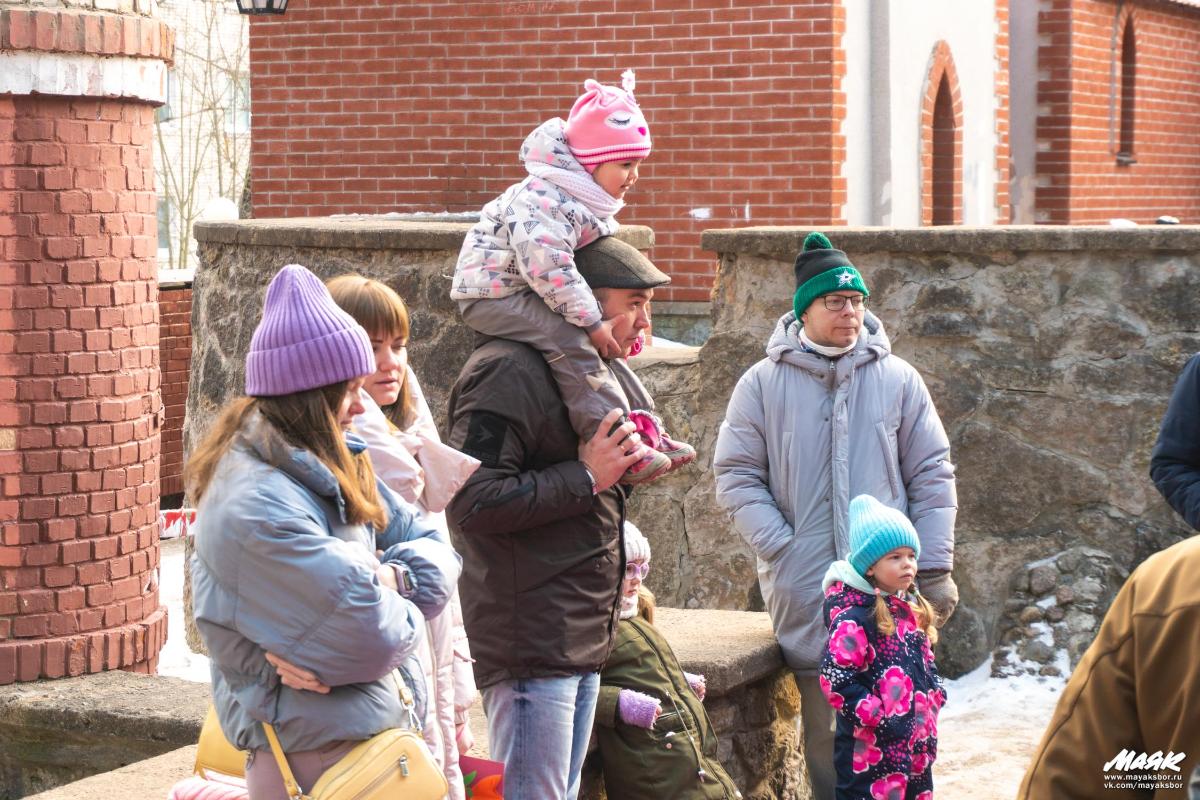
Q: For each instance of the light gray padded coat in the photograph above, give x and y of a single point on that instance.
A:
(803, 434)
(278, 569)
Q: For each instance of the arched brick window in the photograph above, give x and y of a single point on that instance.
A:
(943, 201)
(941, 142)
(1128, 88)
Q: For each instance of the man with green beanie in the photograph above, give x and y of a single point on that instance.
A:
(830, 414)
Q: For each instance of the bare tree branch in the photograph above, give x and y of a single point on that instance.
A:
(204, 143)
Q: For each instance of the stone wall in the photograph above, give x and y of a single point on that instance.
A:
(1050, 353)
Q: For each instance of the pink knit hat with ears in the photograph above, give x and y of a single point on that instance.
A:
(606, 124)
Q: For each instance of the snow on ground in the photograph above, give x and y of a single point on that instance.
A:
(987, 732)
(175, 659)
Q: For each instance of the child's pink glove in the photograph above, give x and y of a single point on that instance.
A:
(637, 709)
(697, 682)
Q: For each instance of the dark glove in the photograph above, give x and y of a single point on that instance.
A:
(435, 568)
(939, 589)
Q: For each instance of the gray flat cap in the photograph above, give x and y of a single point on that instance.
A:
(609, 263)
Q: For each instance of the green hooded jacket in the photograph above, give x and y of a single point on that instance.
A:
(665, 761)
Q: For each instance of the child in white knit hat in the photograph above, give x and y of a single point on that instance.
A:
(654, 736)
(878, 671)
(516, 276)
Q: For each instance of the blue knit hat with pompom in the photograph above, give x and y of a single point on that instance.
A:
(875, 531)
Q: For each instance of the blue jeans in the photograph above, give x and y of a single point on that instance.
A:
(539, 728)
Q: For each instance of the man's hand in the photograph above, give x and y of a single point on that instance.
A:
(295, 677)
(604, 342)
(606, 455)
(939, 589)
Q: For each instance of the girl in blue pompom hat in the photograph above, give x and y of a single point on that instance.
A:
(878, 669)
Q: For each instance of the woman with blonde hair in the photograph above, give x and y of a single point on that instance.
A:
(302, 621)
(409, 457)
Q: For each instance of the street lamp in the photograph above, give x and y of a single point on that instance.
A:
(262, 6)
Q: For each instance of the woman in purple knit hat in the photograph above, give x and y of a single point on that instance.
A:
(303, 623)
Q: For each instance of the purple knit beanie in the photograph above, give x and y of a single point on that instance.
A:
(303, 340)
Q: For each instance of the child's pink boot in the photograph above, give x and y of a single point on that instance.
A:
(650, 466)
(650, 428)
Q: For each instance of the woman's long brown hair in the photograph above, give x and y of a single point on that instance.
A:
(307, 420)
(376, 306)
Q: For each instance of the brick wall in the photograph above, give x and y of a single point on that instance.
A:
(175, 353)
(378, 106)
(79, 401)
(1003, 106)
(1080, 180)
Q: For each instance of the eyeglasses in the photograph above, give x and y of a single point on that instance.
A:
(836, 302)
(637, 569)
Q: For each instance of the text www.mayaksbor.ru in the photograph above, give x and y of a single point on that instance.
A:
(1152, 782)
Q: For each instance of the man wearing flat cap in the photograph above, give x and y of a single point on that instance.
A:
(830, 413)
(539, 527)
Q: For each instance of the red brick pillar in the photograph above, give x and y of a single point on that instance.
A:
(80, 405)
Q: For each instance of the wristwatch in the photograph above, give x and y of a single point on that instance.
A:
(591, 478)
(405, 580)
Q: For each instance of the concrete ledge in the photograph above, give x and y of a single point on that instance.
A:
(150, 779)
(784, 242)
(665, 355)
(53, 733)
(115, 703)
(733, 649)
(360, 233)
(133, 736)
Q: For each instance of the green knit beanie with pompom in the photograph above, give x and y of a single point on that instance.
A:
(822, 269)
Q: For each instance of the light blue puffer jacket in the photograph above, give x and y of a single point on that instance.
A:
(802, 435)
(278, 569)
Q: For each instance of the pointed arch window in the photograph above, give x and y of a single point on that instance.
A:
(943, 156)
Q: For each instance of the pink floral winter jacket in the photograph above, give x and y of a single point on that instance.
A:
(887, 693)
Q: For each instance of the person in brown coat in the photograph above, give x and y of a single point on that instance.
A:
(539, 529)
(1128, 723)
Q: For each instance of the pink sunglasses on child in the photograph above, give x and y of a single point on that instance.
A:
(637, 569)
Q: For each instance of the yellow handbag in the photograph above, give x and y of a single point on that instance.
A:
(214, 753)
(390, 765)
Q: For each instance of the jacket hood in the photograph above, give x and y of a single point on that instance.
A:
(842, 571)
(261, 438)
(784, 344)
(547, 144)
